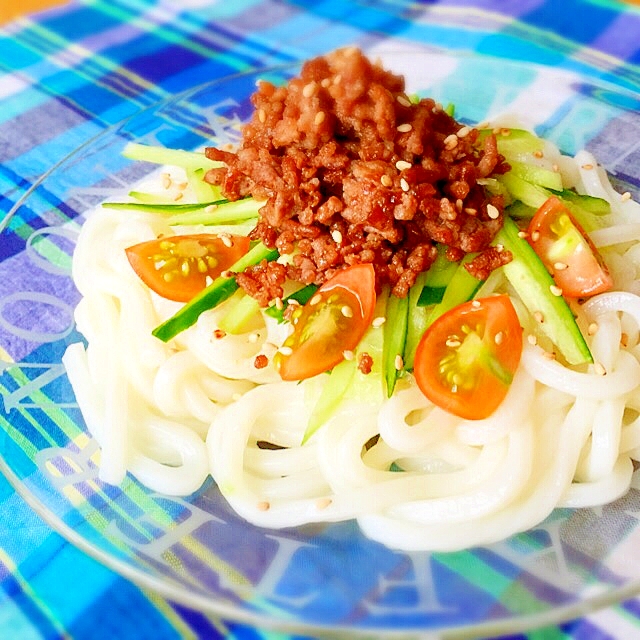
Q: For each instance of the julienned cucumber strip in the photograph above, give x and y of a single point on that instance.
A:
(461, 288)
(206, 213)
(537, 175)
(217, 292)
(302, 296)
(395, 336)
(417, 319)
(203, 191)
(532, 282)
(188, 160)
(333, 391)
(239, 315)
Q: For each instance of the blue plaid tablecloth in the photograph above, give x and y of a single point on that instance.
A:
(68, 73)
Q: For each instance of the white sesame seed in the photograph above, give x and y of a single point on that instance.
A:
(452, 343)
(253, 337)
(346, 311)
(166, 181)
(556, 291)
(459, 204)
(262, 115)
(378, 322)
(499, 247)
(404, 185)
(263, 506)
(587, 166)
(535, 236)
(492, 212)
(285, 350)
(210, 208)
(532, 340)
(404, 128)
(560, 266)
(476, 304)
(538, 316)
(347, 354)
(178, 196)
(325, 82)
(463, 132)
(319, 119)
(523, 234)
(451, 141)
(403, 101)
(470, 211)
(625, 196)
(398, 362)
(499, 337)
(226, 239)
(599, 369)
(309, 89)
(549, 355)
(315, 299)
(386, 180)
(592, 329)
(337, 236)
(401, 165)
(323, 503)
(279, 304)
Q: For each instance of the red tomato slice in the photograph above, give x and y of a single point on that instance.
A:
(567, 251)
(331, 322)
(466, 359)
(177, 267)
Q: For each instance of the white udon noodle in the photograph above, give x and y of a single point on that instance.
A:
(171, 414)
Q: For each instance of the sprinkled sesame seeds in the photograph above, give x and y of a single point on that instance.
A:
(463, 132)
(560, 266)
(451, 141)
(538, 316)
(476, 304)
(378, 322)
(453, 342)
(309, 89)
(263, 506)
(178, 196)
(315, 299)
(555, 290)
(404, 185)
(253, 337)
(404, 128)
(319, 119)
(535, 236)
(285, 350)
(532, 340)
(625, 196)
(599, 369)
(523, 234)
(398, 363)
(471, 211)
(492, 212)
(278, 303)
(499, 337)
(323, 503)
(337, 236)
(262, 115)
(592, 329)
(386, 180)
(210, 208)
(587, 167)
(166, 181)
(403, 100)
(347, 354)
(226, 239)
(401, 165)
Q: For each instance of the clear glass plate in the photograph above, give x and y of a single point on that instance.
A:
(318, 579)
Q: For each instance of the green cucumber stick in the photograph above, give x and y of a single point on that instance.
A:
(188, 160)
(395, 336)
(217, 292)
(536, 288)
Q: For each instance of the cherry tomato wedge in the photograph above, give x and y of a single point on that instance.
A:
(466, 359)
(567, 251)
(179, 267)
(331, 323)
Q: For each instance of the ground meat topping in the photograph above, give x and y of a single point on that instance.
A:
(351, 171)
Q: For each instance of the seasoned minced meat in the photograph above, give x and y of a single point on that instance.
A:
(352, 171)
